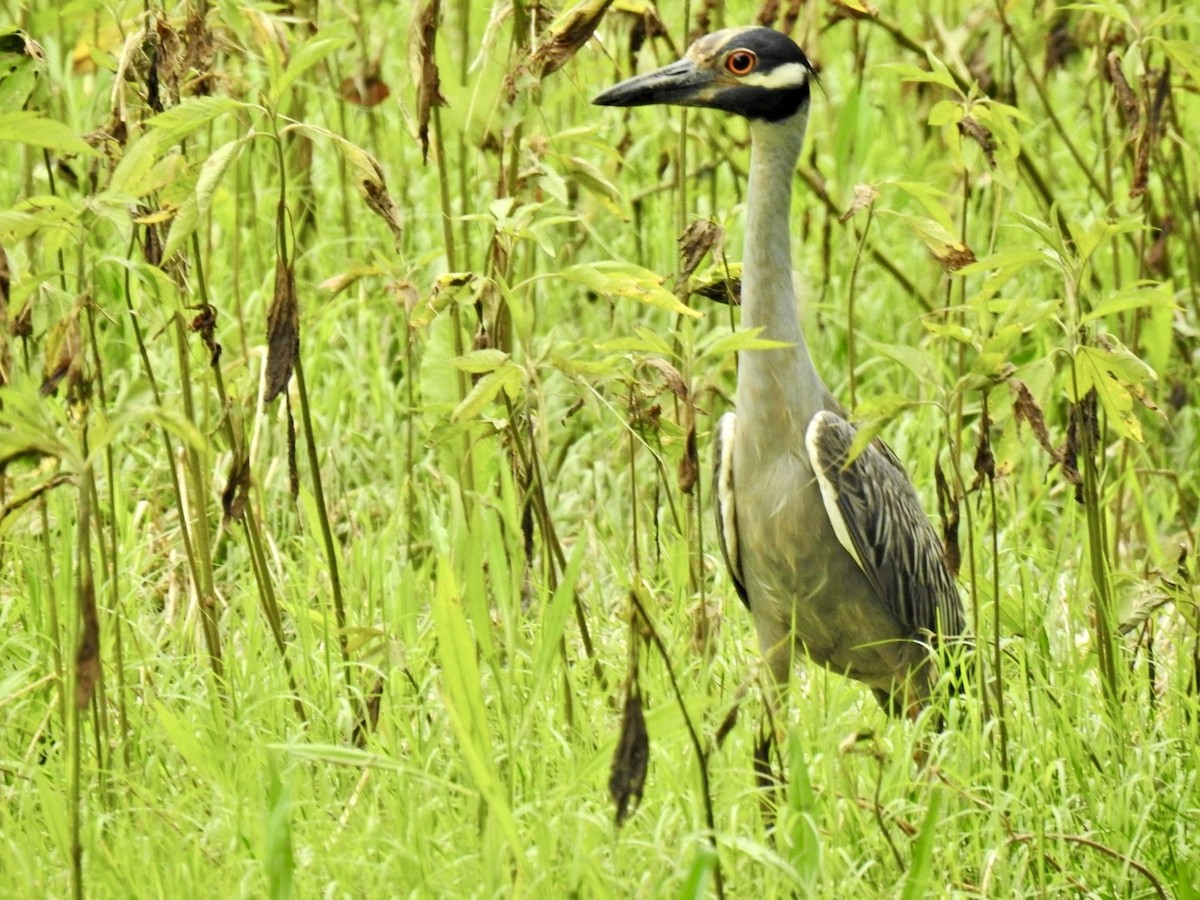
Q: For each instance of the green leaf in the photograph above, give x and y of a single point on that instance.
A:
(920, 871)
(945, 112)
(479, 361)
(1117, 376)
(24, 127)
(737, 341)
(131, 176)
(1141, 295)
(613, 279)
(279, 859)
(461, 682)
(196, 206)
(18, 82)
(805, 849)
(173, 125)
(508, 378)
(1186, 55)
(304, 58)
(554, 619)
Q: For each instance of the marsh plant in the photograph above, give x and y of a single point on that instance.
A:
(357, 386)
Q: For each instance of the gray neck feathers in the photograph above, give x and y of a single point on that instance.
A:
(780, 386)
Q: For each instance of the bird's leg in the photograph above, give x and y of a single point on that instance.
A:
(770, 733)
(768, 783)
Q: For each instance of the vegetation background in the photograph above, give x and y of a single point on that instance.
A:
(353, 449)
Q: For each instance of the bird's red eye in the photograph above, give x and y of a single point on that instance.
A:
(741, 62)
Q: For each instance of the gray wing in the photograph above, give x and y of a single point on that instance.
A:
(878, 518)
(727, 535)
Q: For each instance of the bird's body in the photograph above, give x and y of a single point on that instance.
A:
(833, 558)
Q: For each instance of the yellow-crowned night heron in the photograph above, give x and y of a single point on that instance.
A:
(834, 558)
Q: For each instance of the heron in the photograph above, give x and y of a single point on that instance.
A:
(830, 550)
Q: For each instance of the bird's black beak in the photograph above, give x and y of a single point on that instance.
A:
(681, 84)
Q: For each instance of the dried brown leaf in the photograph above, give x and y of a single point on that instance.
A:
(971, 127)
(283, 331)
(205, 324)
(1026, 409)
(701, 237)
(428, 83)
(953, 257)
(865, 196)
(5, 349)
(566, 37)
(87, 656)
(1061, 43)
(768, 13)
(671, 375)
(854, 9)
(627, 780)
(64, 355)
(689, 463)
(722, 290)
(1125, 96)
(237, 488)
(365, 89)
(985, 460)
(949, 515)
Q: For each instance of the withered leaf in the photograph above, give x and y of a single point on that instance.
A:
(283, 331)
(985, 460)
(368, 719)
(64, 355)
(723, 290)
(728, 723)
(5, 350)
(566, 37)
(855, 9)
(205, 324)
(701, 237)
(671, 375)
(237, 488)
(768, 13)
(428, 83)
(293, 467)
(87, 656)
(865, 196)
(627, 779)
(1026, 409)
(689, 463)
(379, 201)
(969, 126)
(1125, 96)
(948, 513)
(367, 89)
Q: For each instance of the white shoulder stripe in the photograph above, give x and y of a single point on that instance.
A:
(727, 517)
(829, 492)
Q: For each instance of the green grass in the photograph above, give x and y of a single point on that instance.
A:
(500, 414)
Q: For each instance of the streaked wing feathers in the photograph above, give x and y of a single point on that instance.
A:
(889, 534)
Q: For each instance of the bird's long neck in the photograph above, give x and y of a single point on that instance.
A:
(779, 386)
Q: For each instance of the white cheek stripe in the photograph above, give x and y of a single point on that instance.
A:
(789, 75)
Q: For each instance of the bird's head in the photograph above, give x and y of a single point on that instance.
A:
(758, 73)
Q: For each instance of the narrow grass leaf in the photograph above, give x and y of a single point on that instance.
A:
(304, 58)
(279, 858)
(464, 700)
(920, 872)
(554, 619)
